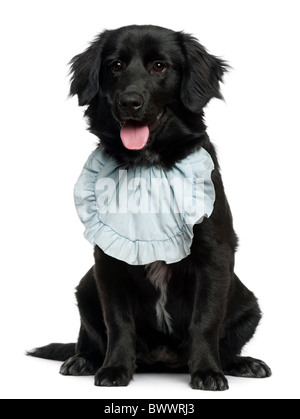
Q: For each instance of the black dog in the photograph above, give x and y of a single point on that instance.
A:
(158, 81)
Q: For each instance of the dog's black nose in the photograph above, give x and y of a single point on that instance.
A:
(130, 102)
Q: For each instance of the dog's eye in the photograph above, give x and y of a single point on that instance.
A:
(159, 66)
(116, 66)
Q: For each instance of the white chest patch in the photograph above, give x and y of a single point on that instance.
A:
(159, 275)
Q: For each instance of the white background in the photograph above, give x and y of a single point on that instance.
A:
(44, 144)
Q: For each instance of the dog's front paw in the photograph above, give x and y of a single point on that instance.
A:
(112, 376)
(209, 380)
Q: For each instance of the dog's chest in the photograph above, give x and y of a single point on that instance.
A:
(140, 214)
(159, 274)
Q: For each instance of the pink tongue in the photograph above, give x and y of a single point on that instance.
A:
(134, 135)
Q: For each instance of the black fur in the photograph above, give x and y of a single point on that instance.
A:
(211, 313)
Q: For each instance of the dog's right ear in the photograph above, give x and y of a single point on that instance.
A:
(85, 69)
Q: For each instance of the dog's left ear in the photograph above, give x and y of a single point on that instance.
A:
(202, 74)
(85, 72)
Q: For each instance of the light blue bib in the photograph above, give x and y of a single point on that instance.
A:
(144, 214)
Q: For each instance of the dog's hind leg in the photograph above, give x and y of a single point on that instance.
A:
(86, 361)
(245, 366)
(240, 324)
(91, 345)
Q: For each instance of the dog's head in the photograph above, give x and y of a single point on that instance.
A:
(138, 81)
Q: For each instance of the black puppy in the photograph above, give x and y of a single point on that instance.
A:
(194, 314)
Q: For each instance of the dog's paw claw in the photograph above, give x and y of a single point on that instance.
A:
(112, 377)
(77, 365)
(248, 367)
(209, 380)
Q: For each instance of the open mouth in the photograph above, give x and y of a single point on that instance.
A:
(135, 134)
